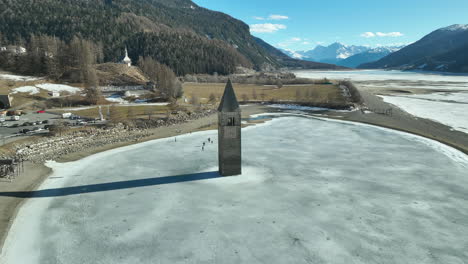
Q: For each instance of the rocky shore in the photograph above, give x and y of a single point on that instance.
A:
(55, 148)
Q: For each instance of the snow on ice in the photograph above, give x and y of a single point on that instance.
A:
(315, 190)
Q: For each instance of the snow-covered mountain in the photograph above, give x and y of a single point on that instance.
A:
(293, 54)
(371, 55)
(333, 53)
(445, 49)
(341, 54)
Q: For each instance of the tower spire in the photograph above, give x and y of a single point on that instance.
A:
(228, 101)
(229, 133)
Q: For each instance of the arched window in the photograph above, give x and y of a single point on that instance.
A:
(231, 121)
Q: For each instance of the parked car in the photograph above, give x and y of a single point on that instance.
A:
(15, 125)
(24, 131)
(15, 118)
(14, 113)
(45, 122)
(41, 112)
(27, 124)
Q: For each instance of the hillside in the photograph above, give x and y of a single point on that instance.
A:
(441, 50)
(177, 26)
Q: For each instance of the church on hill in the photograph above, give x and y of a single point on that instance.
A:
(126, 60)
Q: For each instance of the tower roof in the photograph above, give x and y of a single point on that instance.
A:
(229, 101)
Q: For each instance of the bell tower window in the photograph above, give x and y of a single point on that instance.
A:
(231, 121)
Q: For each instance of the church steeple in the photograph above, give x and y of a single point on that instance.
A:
(228, 101)
(229, 133)
(126, 59)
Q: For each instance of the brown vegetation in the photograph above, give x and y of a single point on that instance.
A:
(305, 94)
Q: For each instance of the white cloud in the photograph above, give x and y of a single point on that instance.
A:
(368, 35)
(306, 42)
(296, 39)
(282, 45)
(258, 18)
(278, 17)
(381, 34)
(266, 28)
(389, 34)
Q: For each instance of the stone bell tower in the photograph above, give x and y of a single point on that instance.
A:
(229, 134)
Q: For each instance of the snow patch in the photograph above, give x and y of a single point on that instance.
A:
(58, 88)
(26, 89)
(18, 77)
(456, 27)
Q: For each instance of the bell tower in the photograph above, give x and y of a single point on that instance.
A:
(229, 133)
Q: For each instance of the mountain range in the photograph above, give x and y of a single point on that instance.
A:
(179, 33)
(445, 49)
(343, 55)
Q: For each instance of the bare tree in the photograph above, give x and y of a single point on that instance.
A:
(114, 116)
(166, 81)
(58, 128)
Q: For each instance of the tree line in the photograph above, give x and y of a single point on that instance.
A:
(173, 31)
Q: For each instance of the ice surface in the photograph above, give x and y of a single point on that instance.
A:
(380, 75)
(453, 114)
(312, 191)
(298, 107)
(117, 99)
(459, 97)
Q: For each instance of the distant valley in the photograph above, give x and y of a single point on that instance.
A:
(343, 55)
(443, 50)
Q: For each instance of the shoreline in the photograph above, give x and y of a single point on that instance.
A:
(33, 176)
(36, 173)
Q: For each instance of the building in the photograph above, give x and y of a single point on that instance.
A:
(229, 134)
(54, 94)
(126, 59)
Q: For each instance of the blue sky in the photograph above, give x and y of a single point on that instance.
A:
(302, 24)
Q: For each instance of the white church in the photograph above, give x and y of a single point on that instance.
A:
(126, 59)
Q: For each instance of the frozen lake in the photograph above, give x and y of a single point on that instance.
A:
(452, 81)
(312, 191)
(449, 107)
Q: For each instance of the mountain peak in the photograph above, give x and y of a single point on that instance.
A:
(456, 27)
(337, 44)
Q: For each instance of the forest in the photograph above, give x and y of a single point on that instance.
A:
(178, 33)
